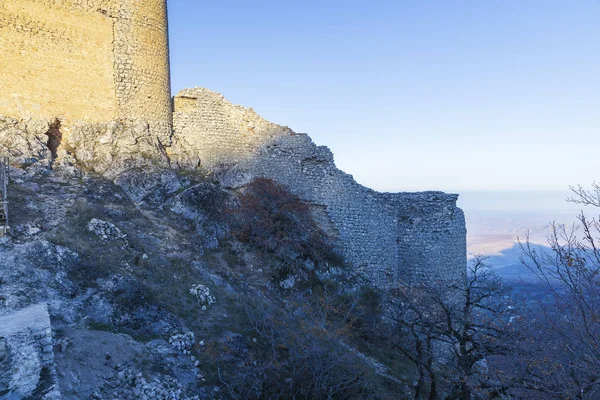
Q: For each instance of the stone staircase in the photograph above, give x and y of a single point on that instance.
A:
(4, 175)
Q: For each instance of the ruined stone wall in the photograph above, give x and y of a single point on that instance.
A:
(27, 367)
(364, 227)
(432, 236)
(230, 133)
(85, 61)
(413, 237)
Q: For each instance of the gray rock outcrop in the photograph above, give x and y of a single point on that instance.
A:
(26, 355)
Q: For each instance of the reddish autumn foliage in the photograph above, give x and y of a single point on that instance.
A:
(274, 220)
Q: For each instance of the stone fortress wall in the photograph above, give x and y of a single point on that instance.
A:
(388, 237)
(101, 68)
(431, 235)
(86, 61)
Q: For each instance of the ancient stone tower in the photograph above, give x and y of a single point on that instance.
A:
(85, 61)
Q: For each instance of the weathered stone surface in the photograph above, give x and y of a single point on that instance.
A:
(26, 355)
(81, 298)
(211, 131)
(386, 237)
(432, 239)
(91, 285)
(150, 185)
(106, 230)
(112, 148)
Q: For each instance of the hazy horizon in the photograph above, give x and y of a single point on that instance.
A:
(495, 219)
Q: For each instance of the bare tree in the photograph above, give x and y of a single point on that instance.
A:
(295, 356)
(451, 334)
(569, 364)
(416, 322)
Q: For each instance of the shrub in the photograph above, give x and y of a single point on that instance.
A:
(272, 219)
(290, 356)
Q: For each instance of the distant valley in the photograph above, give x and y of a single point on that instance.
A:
(496, 220)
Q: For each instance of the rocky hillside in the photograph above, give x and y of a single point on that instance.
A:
(159, 287)
(232, 260)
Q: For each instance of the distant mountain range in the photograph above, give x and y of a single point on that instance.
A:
(491, 232)
(496, 219)
(508, 264)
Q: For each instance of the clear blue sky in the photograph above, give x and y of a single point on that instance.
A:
(455, 95)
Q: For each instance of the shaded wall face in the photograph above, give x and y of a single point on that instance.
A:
(85, 60)
(432, 234)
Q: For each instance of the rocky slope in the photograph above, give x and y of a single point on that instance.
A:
(142, 292)
(148, 278)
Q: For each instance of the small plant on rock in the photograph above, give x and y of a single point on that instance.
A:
(203, 295)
